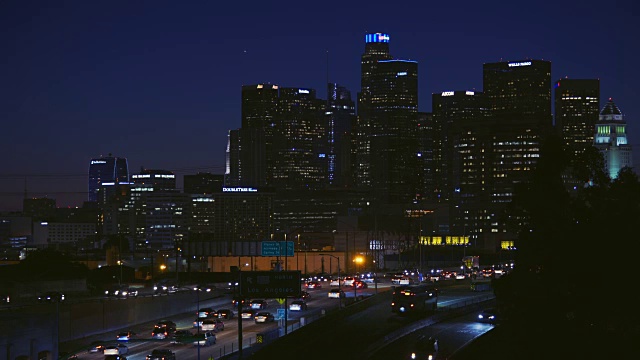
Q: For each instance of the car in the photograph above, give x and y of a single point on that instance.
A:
(335, 282)
(304, 295)
(160, 333)
(166, 324)
(120, 291)
(125, 335)
(237, 300)
(264, 317)
(205, 312)
(165, 288)
(95, 347)
(425, 348)
(313, 285)
(298, 305)
(488, 315)
(336, 293)
(258, 304)
(119, 349)
(248, 314)
(460, 276)
(204, 339)
(5, 298)
(161, 354)
(198, 322)
(348, 280)
(204, 287)
(212, 325)
(181, 337)
(51, 296)
(224, 314)
(359, 284)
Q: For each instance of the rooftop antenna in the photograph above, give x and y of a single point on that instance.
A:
(327, 52)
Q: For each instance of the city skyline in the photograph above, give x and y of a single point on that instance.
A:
(160, 86)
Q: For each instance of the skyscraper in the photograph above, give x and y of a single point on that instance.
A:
(340, 113)
(300, 140)
(106, 170)
(254, 141)
(611, 139)
(387, 126)
(577, 103)
(519, 99)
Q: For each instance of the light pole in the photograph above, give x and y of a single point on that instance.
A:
(357, 260)
(339, 285)
(120, 280)
(197, 288)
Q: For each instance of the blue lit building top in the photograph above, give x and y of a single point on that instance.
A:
(376, 38)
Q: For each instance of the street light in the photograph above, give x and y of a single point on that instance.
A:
(339, 285)
(198, 289)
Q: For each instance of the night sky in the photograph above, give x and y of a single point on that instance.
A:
(159, 82)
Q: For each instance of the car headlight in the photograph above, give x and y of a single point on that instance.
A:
(413, 355)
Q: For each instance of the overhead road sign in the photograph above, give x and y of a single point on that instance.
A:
(277, 248)
(270, 284)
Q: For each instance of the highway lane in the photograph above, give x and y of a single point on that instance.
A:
(359, 335)
(227, 340)
(452, 334)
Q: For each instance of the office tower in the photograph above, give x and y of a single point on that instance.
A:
(39, 208)
(340, 115)
(460, 120)
(254, 141)
(577, 106)
(246, 158)
(611, 139)
(300, 141)
(158, 179)
(203, 183)
(166, 219)
(106, 170)
(425, 156)
(144, 185)
(519, 99)
(230, 222)
(387, 125)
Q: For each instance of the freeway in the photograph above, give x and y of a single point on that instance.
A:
(142, 344)
(342, 325)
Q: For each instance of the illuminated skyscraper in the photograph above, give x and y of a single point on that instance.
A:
(611, 139)
(300, 141)
(577, 106)
(387, 144)
(519, 99)
(106, 171)
(250, 152)
(340, 113)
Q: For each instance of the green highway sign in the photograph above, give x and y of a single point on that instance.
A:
(277, 248)
(269, 284)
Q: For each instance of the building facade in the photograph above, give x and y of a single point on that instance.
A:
(387, 139)
(106, 170)
(577, 106)
(611, 139)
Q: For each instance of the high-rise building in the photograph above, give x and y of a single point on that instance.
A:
(299, 141)
(158, 179)
(203, 183)
(577, 106)
(254, 141)
(340, 115)
(106, 170)
(519, 99)
(460, 120)
(611, 139)
(387, 125)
